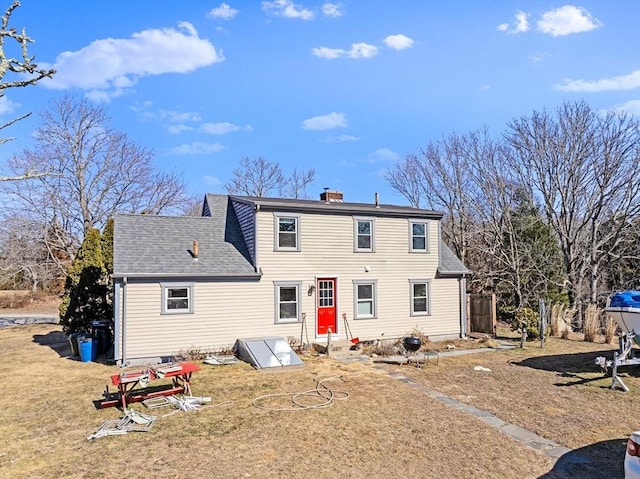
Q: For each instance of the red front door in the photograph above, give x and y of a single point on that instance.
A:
(326, 288)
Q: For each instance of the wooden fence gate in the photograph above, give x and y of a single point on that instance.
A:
(481, 311)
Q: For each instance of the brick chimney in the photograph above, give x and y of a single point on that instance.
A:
(331, 196)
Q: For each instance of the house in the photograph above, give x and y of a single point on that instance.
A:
(252, 267)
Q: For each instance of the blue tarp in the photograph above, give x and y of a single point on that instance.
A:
(626, 299)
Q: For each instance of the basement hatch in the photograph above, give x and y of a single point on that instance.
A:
(270, 352)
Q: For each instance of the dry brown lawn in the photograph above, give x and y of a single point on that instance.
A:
(22, 301)
(383, 430)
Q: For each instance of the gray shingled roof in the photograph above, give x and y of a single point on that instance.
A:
(450, 265)
(160, 246)
(337, 207)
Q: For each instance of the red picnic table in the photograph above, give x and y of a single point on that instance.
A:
(180, 374)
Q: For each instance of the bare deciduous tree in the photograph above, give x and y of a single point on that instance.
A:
(260, 177)
(95, 171)
(27, 72)
(584, 166)
(406, 178)
(296, 185)
(467, 177)
(580, 165)
(256, 177)
(441, 177)
(24, 261)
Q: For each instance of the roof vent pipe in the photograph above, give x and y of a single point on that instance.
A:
(377, 200)
(195, 249)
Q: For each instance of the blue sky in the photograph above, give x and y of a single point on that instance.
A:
(344, 87)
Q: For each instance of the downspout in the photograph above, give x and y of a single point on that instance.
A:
(124, 321)
(255, 238)
(117, 329)
(463, 307)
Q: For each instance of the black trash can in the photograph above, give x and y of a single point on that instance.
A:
(102, 335)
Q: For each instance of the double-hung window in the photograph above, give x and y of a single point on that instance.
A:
(363, 234)
(364, 296)
(287, 229)
(177, 298)
(420, 297)
(419, 237)
(287, 300)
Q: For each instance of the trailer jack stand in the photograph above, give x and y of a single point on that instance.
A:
(625, 356)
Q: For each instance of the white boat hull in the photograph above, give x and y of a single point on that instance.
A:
(628, 318)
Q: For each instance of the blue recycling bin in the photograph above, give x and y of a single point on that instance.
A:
(88, 349)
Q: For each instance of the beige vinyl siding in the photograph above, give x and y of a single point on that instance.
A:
(227, 310)
(445, 307)
(327, 250)
(223, 312)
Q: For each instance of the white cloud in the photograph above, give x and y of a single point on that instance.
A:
(328, 53)
(358, 50)
(104, 96)
(632, 107)
(177, 129)
(362, 50)
(622, 82)
(287, 9)
(211, 181)
(382, 155)
(332, 10)
(325, 122)
(175, 122)
(522, 22)
(196, 148)
(224, 11)
(145, 112)
(538, 57)
(175, 116)
(340, 139)
(222, 128)
(399, 42)
(520, 25)
(567, 20)
(218, 128)
(105, 66)
(7, 106)
(141, 106)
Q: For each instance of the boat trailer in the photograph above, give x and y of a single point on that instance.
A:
(625, 356)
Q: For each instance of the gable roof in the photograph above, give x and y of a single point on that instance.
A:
(160, 246)
(333, 207)
(450, 264)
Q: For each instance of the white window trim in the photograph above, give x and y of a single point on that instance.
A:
(371, 220)
(374, 289)
(276, 230)
(426, 236)
(167, 286)
(276, 310)
(413, 282)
